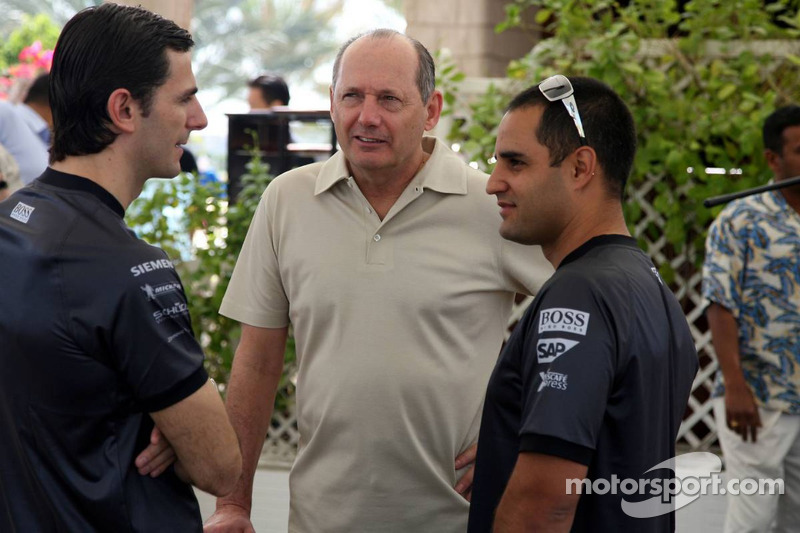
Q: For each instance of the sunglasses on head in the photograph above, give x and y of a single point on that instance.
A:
(557, 88)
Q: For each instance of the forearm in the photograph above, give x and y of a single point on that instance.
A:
(725, 337)
(251, 395)
(536, 497)
(516, 516)
(203, 440)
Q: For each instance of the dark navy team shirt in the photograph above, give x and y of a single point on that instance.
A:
(94, 335)
(596, 372)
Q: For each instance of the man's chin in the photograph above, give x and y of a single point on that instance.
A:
(510, 234)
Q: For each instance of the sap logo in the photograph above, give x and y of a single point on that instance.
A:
(560, 319)
(553, 380)
(149, 266)
(22, 212)
(180, 308)
(550, 349)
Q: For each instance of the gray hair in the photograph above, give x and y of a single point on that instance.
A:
(426, 70)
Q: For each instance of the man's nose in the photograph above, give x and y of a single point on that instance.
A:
(495, 184)
(370, 114)
(197, 119)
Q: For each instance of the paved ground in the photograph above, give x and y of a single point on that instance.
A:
(271, 509)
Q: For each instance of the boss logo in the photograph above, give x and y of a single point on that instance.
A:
(22, 212)
(548, 350)
(562, 319)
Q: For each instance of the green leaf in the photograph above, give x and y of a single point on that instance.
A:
(542, 16)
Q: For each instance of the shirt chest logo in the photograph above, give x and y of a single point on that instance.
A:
(562, 319)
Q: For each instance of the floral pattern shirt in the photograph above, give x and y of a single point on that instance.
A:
(752, 268)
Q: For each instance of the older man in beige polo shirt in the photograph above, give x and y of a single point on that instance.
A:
(387, 262)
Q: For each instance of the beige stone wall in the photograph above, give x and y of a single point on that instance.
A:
(179, 11)
(466, 28)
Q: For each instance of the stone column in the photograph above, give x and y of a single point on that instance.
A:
(179, 11)
(466, 29)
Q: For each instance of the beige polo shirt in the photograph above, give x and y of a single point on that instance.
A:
(397, 323)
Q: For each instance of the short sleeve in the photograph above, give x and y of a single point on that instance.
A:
(135, 319)
(255, 294)
(568, 370)
(158, 354)
(723, 265)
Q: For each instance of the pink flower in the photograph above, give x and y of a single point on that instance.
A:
(45, 60)
(31, 52)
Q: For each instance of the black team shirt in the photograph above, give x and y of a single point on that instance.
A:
(598, 371)
(94, 335)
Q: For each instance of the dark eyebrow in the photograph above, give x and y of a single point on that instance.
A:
(510, 155)
(188, 93)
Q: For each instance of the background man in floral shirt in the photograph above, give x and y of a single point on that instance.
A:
(751, 279)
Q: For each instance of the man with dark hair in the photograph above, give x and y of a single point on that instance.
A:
(386, 261)
(594, 381)
(102, 379)
(751, 284)
(35, 109)
(267, 91)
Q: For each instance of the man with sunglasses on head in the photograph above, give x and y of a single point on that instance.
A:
(594, 381)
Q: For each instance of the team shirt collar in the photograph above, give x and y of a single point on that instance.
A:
(595, 242)
(72, 182)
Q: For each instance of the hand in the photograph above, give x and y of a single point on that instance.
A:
(157, 457)
(464, 485)
(229, 518)
(741, 411)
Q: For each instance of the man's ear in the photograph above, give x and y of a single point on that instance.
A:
(330, 93)
(123, 111)
(584, 166)
(773, 161)
(433, 110)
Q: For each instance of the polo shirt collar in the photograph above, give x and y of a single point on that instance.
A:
(444, 172)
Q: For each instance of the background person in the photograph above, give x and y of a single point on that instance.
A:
(594, 381)
(751, 284)
(22, 143)
(35, 109)
(267, 91)
(9, 174)
(387, 262)
(97, 344)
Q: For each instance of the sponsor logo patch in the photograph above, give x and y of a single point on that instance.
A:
(149, 266)
(657, 275)
(158, 290)
(179, 308)
(553, 380)
(22, 212)
(548, 350)
(562, 319)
